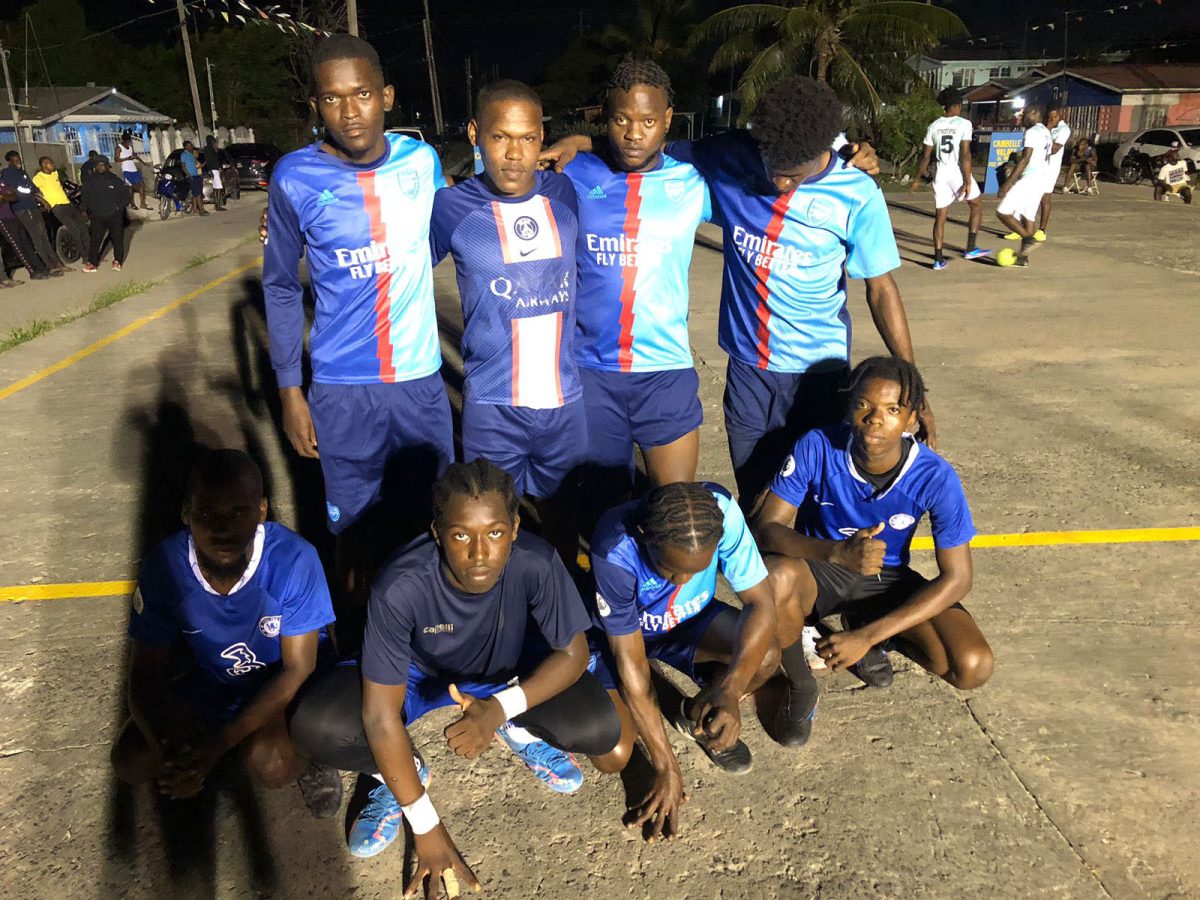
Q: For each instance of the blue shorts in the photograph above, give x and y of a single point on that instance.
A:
(426, 692)
(368, 431)
(134, 177)
(651, 409)
(197, 185)
(214, 703)
(539, 448)
(676, 648)
(767, 412)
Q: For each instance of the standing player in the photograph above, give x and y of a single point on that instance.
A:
(638, 214)
(1021, 196)
(358, 204)
(483, 616)
(512, 232)
(249, 599)
(855, 493)
(1060, 134)
(129, 159)
(949, 139)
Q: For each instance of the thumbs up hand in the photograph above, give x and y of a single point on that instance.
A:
(861, 552)
(473, 732)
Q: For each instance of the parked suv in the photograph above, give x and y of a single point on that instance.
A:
(1154, 142)
(254, 163)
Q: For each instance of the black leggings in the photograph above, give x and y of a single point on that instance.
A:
(326, 721)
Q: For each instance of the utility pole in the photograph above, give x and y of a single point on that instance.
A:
(212, 100)
(187, 55)
(470, 91)
(433, 82)
(12, 103)
(352, 16)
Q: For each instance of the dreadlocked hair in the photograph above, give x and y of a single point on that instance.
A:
(473, 479)
(684, 514)
(631, 72)
(896, 370)
(796, 121)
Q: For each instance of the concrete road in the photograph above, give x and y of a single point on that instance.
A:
(1065, 398)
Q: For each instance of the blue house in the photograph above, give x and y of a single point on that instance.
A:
(83, 118)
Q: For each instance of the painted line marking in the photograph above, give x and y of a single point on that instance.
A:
(133, 326)
(81, 590)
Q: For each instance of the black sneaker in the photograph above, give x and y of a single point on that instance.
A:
(793, 724)
(1022, 261)
(736, 760)
(874, 669)
(321, 788)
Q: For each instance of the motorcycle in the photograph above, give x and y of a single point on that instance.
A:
(171, 189)
(1136, 167)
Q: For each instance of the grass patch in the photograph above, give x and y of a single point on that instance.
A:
(26, 332)
(199, 260)
(115, 295)
(104, 299)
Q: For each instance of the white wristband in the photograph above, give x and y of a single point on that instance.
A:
(512, 701)
(421, 815)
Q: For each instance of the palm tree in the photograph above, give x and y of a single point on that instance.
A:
(859, 47)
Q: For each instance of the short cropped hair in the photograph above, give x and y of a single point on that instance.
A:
(631, 72)
(1034, 113)
(11, 155)
(473, 479)
(949, 97)
(42, 159)
(505, 89)
(796, 121)
(343, 46)
(221, 467)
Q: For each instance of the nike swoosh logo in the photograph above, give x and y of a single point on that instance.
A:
(823, 503)
(197, 631)
(527, 252)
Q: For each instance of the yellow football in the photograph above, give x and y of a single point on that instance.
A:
(1006, 257)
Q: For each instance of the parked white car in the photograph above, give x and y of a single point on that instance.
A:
(1157, 141)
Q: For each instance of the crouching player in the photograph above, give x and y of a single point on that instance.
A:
(655, 562)
(481, 615)
(250, 600)
(861, 488)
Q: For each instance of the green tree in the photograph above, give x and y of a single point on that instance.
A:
(858, 46)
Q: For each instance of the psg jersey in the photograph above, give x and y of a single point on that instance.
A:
(835, 500)
(631, 595)
(365, 230)
(636, 233)
(234, 638)
(787, 256)
(515, 261)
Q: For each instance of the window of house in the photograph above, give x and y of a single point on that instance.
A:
(71, 138)
(958, 78)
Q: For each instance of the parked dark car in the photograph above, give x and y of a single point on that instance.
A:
(254, 163)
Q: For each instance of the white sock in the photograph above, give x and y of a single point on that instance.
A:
(517, 734)
(378, 778)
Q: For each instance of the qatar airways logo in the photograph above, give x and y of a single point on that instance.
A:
(762, 252)
(626, 251)
(367, 262)
(652, 622)
(522, 298)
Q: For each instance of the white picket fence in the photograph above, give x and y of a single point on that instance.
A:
(164, 140)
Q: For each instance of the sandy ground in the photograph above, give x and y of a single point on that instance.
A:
(1064, 397)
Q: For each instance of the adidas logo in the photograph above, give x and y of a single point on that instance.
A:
(326, 197)
(597, 193)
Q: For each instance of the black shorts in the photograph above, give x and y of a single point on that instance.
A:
(861, 598)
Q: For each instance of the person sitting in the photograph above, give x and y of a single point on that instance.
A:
(847, 502)
(1172, 177)
(478, 614)
(249, 600)
(1083, 159)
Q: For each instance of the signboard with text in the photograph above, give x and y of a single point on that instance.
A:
(1004, 144)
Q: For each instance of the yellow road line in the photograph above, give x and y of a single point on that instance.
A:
(133, 326)
(86, 589)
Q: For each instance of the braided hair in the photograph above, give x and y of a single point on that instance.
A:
(896, 370)
(631, 72)
(684, 514)
(473, 479)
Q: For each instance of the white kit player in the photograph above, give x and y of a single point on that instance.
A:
(1021, 196)
(948, 145)
(1060, 134)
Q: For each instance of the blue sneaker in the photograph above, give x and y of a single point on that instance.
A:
(377, 825)
(977, 253)
(939, 264)
(380, 821)
(554, 768)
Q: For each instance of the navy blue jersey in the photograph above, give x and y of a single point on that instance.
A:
(631, 595)
(787, 256)
(834, 500)
(416, 616)
(365, 230)
(515, 259)
(234, 638)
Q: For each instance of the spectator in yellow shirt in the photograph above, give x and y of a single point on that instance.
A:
(49, 182)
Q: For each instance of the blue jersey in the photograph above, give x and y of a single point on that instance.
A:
(416, 616)
(515, 260)
(787, 256)
(366, 232)
(636, 233)
(834, 500)
(234, 638)
(631, 595)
